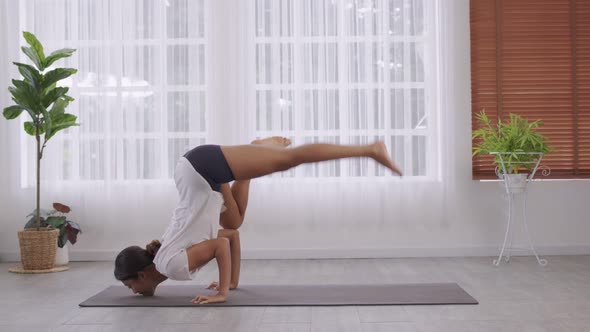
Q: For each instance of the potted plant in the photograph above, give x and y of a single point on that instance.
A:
(68, 230)
(39, 96)
(515, 138)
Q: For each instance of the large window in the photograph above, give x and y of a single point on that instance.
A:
(347, 72)
(140, 89)
(339, 71)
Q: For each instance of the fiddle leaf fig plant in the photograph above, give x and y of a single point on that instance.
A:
(515, 135)
(38, 95)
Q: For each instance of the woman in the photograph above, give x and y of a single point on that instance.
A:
(194, 236)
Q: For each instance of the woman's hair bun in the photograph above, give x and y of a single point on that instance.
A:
(152, 247)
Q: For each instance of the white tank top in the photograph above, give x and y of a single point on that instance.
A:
(195, 219)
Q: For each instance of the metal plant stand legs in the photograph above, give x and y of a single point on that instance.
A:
(507, 247)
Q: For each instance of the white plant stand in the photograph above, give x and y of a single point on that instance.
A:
(511, 190)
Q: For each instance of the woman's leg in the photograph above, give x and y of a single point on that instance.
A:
(252, 161)
(235, 202)
(238, 192)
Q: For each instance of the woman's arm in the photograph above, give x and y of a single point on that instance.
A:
(234, 241)
(201, 253)
(235, 259)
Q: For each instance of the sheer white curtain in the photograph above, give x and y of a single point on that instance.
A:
(348, 72)
(140, 86)
(158, 77)
(141, 101)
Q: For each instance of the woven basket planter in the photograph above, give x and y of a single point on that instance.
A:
(37, 248)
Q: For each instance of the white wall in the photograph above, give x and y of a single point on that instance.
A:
(470, 224)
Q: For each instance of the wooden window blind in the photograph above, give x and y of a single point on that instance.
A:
(532, 57)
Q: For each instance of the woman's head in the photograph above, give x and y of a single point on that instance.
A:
(134, 266)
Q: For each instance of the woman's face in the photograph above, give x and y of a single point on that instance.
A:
(141, 285)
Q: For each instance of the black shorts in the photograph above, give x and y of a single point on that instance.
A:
(209, 161)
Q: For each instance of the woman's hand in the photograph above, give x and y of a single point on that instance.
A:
(215, 285)
(204, 299)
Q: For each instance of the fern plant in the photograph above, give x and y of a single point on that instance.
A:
(515, 135)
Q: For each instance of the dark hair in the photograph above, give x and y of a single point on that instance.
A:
(133, 259)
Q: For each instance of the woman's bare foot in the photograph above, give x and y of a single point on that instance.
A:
(381, 156)
(279, 141)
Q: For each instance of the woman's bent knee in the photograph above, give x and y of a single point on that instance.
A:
(233, 222)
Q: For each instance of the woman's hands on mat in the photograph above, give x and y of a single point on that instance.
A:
(204, 299)
(215, 285)
(217, 298)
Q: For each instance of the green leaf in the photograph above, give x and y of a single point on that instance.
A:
(30, 128)
(35, 44)
(64, 121)
(30, 74)
(64, 118)
(56, 75)
(56, 221)
(42, 213)
(32, 223)
(31, 112)
(63, 237)
(58, 107)
(53, 95)
(34, 57)
(48, 123)
(12, 112)
(47, 89)
(25, 95)
(56, 55)
(23, 86)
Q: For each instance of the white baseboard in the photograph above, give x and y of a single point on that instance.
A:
(109, 255)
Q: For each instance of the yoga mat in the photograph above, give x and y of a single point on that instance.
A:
(288, 295)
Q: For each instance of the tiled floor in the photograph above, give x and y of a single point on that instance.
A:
(519, 296)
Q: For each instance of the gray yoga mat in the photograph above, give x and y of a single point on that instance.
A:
(288, 295)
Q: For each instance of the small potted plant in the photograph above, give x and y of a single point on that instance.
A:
(38, 95)
(513, 137)
(68, 230)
